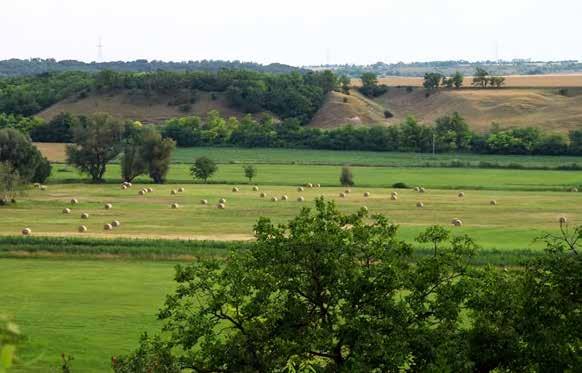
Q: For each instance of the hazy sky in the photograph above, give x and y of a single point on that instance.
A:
(299, 32)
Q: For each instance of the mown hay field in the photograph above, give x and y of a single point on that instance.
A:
(516, 220)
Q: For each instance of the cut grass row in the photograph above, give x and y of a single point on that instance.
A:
(435, 178)
(75, 248)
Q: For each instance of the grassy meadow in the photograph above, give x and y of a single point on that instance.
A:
(92, 294)
(375, 177)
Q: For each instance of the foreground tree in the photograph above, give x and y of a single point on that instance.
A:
(22, 158)
(327, 291)
(97, 141)
(203, 168)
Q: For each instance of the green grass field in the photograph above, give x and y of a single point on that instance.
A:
(91, 310)
(334, 157)
(292, 175)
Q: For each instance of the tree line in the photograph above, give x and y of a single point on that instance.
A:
(34, 66)
(450, 133)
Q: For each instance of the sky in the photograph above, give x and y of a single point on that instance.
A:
(298, 32)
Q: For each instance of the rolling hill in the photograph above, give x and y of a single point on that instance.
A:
(547, 108)
(152, 109)
(509, 107)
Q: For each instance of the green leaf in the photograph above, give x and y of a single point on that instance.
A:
(6, 356)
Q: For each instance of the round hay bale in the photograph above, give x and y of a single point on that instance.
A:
(221, 206)
(422, 190)
(300, 199)
(419, 204)
(141, 192)
(563, 220)
(347, 191)
(342, 195)
(263, 194)
(367, 194)
(394, 197)
(82, 229)
(235, 189)
(175, 205)
(274, 199)
(575, 190)
(66, 210)
(417, 189)
(300, 189)
(108, 206)
(318, 185)
(457, 222)
(129, 185)
(461, 195)
(43, 187)
(394, 193)
(107, 227)
(203, 202)
(84, 216)
(255, 188)
(149, 190)
(37, 185)
(115, 223)
(180, 190)
(309, 185)
(284, 197)
(123, 187)
(74, 201)
(493, 202)
(26, 231)
(222, 200)
(173, 192)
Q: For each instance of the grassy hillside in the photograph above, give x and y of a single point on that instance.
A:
(152, 109)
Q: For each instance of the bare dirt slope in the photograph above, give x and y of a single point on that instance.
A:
(357, 111)
(153, 109)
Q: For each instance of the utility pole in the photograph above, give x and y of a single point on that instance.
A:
(99, 50)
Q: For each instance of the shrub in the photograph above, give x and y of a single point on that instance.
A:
(346, 177)
(388, 114)
(400, 185)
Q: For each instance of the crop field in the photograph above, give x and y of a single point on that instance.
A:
(547, 81)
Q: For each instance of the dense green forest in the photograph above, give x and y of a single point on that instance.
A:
(33, 66)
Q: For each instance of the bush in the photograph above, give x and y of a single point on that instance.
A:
(345, 100)
(388, 114)
(400, 185)
(346, 177)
